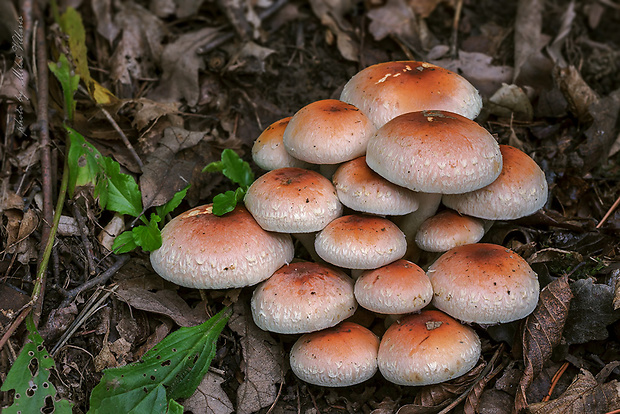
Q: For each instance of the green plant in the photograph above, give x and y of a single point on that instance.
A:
(239, 172)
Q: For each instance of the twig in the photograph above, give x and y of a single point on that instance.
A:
(555, 379)
(102, 278)
(88, 247)
(14, 325)
(454, 49)
(606, 216)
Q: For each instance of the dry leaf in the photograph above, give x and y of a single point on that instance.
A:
(576, 91)
(542, 331)
(102, 10)
(331, 13)
(396, 17)
(584, 395)
(511, 101)
(528, 28)
(209, 398)
(263, 358)
(495, 402)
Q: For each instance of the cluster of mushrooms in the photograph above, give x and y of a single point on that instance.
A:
(359, 181)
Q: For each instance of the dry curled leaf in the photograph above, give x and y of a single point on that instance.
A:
(209, 398)
(542, 331)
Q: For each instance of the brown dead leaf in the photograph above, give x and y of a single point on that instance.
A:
(263, 358)
(577, 92)
(10, 200)
(494, 401)
(162, 330)
(511, 101)
(103, 16)
(20, 225)
(591, 312)
(616, 278)
(542, 331)
(11, 301)
(424, 8)
(584, 395)
(396, 18)
(528, 29)
(331, 13)
(147, 111)
(209, 398)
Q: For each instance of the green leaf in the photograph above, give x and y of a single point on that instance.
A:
(174, 407)
(148, 237)
(124, 195)
(86, 166)
(124, 243)
(215, 166)
(30, 378)
(226, 202)
(68, 81)
(173, 369)
(162, 211)
(233, 167)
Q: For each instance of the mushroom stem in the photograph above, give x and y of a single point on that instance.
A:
(410, 223)
(307, 241)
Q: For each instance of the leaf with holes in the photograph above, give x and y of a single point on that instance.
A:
(34, 392)
(172, 369)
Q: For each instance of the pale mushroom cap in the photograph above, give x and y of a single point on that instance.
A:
(360, 242)
(484, 283)
(362, 189)
(303, 297)
(427, 348)
(386, 90)
(520, 190)
(336, 357)
(204, 251)
(397, 288)
(268, 150)
(435, 152)
(293, 200)
(448, 229)
(328, 131)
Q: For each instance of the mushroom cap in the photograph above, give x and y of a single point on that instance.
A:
(435, 152)
(484, 283)
(204, 251)
(293, 200)
(303, 297)
(520, 190)
(268, 150)
(397, 288)
(448, 229)
(360, 242)
(386, 90)
(427, 348)
(328, 131)
(362, 189)
(336, 357)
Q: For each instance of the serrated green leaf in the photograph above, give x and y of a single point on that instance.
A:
(226, 202)
(162, 211)
(237, 170)
(124, 195)
(86, 166)
(68, 81)
(173, 369)
(124, 243)
(148, 237)
(30, 378)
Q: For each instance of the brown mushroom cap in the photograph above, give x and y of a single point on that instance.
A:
(386, 90)
(303, 297)
(483, 283)
(520, 190)
(205, 251)
(397, 288)
(427, 348)
(362, 189)
(293, 200)
(448, 229)
(336, 357)
(360, 242)
(268, 151)
(435, 152)
(328, 131)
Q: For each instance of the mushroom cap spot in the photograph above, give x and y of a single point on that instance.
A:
(397, 288)
(520, 190)
(360, 242)
(303, 297)
(484, 283)
(386, 90)
(204, 251)
(336, 357)
(427, 348)
(293, 200)
(435, 152)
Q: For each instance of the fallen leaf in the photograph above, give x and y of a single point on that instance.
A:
(494, 401)
(542, 331)
(528, 29)
(584, 395)
(103, 16)
(209, 398)
(331, 13)
(591, 312)
(396, 18)
(510, 101)
(263, 358)
(577, 92)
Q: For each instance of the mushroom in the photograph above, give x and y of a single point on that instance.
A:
(268, 150)
(483, 283)
(448, 229)
(427, 348)
(303, 297)
(205, 251)
(386, 90)
(336, 357)
(520, 190)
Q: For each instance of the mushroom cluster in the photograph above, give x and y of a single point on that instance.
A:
(359, 182)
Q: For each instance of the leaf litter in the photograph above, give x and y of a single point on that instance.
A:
(192, 78)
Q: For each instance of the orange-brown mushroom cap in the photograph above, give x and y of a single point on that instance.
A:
(205, 251)
(268, 151)
(448, 229)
